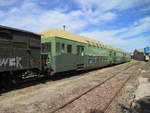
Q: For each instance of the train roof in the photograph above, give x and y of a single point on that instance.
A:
(74, 37)
(19, 30)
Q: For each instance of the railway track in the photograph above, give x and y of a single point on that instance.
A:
(89, 92)
(35, 81)
(93, 88)
(105, 109)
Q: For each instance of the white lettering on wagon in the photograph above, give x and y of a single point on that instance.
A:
(11, 62)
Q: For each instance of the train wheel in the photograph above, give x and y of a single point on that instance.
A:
(49, 73)
(6, 81)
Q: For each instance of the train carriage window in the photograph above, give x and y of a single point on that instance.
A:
(69, 48)
(93, 44)
(60, 47)
(80, 50)
(97, 45)
(110, 53)
(89, 44)
(46, 47)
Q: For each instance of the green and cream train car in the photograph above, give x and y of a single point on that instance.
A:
(64, 51)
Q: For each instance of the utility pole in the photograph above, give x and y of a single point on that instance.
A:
(64, 27)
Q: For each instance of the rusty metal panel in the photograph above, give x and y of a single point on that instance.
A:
(16, 52)
(35, 42)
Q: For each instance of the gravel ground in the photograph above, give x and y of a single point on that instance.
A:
(98, 98)
(47, 97)
(126, 95)
(131, 92)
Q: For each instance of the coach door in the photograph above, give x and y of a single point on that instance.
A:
(46, 54)
(80, 57)
(114, 58)
(111, 57)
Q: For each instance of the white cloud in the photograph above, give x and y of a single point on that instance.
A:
(108, 37)
(105, 5)
(6, 2)
(118, 37)
(146, 9)
(108, 16)
(95, 11)
(56, 19)
(1, 14)
(98, 11)
(31, 17)
(139, 27)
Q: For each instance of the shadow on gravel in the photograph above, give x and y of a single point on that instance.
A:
(96, 111)
(142, 105)
(139, 106)
(57, 76)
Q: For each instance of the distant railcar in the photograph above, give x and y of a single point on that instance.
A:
(147, 50)
(147, 53)
(19, 53)
(64, 51)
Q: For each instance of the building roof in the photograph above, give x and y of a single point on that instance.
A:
(74, 37)
(140, 50)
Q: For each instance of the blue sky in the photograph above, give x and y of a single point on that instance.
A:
(120, 23)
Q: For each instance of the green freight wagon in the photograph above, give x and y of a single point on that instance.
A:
(65, 51)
